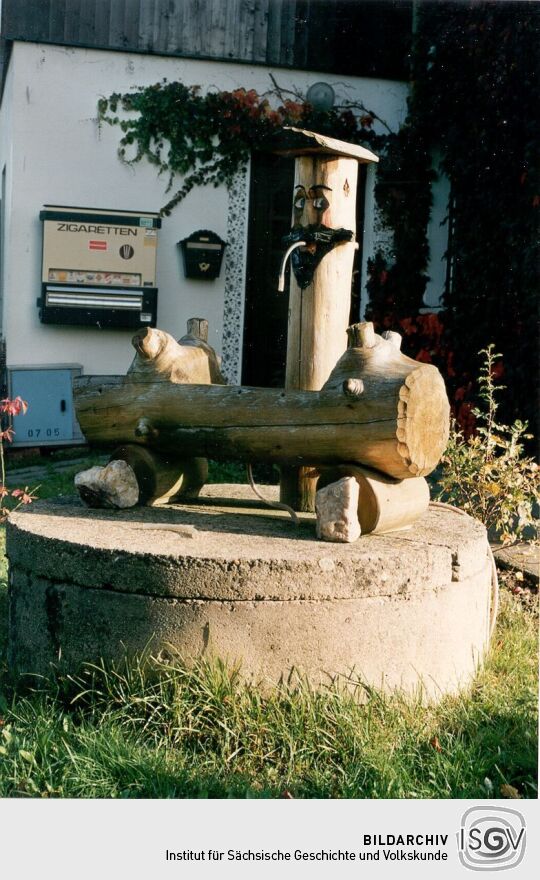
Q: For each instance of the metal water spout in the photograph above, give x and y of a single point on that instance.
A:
(288, 252)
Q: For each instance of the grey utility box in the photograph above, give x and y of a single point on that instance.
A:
(50, 420)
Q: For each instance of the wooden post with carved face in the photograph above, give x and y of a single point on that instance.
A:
(324, 217)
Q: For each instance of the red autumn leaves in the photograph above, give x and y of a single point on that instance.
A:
(11, 407)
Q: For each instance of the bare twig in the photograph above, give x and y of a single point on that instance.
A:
(281, 91)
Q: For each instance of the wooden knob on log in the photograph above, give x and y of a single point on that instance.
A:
(362, 335)
(145, 430)
(353, 388)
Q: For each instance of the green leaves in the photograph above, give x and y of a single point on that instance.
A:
(488, 474)
(207, 138)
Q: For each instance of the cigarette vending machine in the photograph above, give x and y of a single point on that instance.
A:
(99, 267)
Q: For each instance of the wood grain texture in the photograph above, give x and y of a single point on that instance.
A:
(319, 313)
(260, 30)
(317, 35)
(287, 32)
(146, 42)
(102, 22)
(87, 22)
(159, 358)
(163, 478)
(130, 36)
(423, 410)
(38, 17)
(384, 504)
(57, 14)
(72, 19)
(297, 428)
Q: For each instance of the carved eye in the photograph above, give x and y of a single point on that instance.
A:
(321, 203)
(299, 203)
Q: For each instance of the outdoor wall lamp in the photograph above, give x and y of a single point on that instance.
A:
(321, 96)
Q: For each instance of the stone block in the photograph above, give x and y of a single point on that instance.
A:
(114, 485)
(337, 511)
(247, 585)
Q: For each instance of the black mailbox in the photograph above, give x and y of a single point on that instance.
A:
(203, 253)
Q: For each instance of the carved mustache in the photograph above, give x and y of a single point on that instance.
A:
(320, 240)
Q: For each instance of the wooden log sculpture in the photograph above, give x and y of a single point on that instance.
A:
(378, 408)
(417, 392)
(159, 359)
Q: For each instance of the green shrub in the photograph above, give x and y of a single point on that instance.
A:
(488, 474)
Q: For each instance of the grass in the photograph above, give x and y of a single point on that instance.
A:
(60, 482)
(156, 729)
(21, 459)
(55, 482)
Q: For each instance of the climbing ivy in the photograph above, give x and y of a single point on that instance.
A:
(205, 138)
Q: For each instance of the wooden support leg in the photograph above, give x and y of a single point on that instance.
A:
(298, 486)
(384, 504)
(163, 478)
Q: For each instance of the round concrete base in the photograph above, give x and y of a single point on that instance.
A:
(232, 579)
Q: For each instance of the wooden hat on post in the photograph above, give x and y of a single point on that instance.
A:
(299, 142)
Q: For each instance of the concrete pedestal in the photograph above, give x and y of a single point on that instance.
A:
(233, 579)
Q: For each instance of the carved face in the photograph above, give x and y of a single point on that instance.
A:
(309, 208)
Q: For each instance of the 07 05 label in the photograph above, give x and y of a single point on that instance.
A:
(43, 433)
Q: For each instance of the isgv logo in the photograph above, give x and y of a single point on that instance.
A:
(491, 839)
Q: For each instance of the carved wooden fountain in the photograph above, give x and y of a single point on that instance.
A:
(207, 569)
(367, 406)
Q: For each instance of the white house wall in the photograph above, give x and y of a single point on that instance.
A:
(56, 154)
(6, 151)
